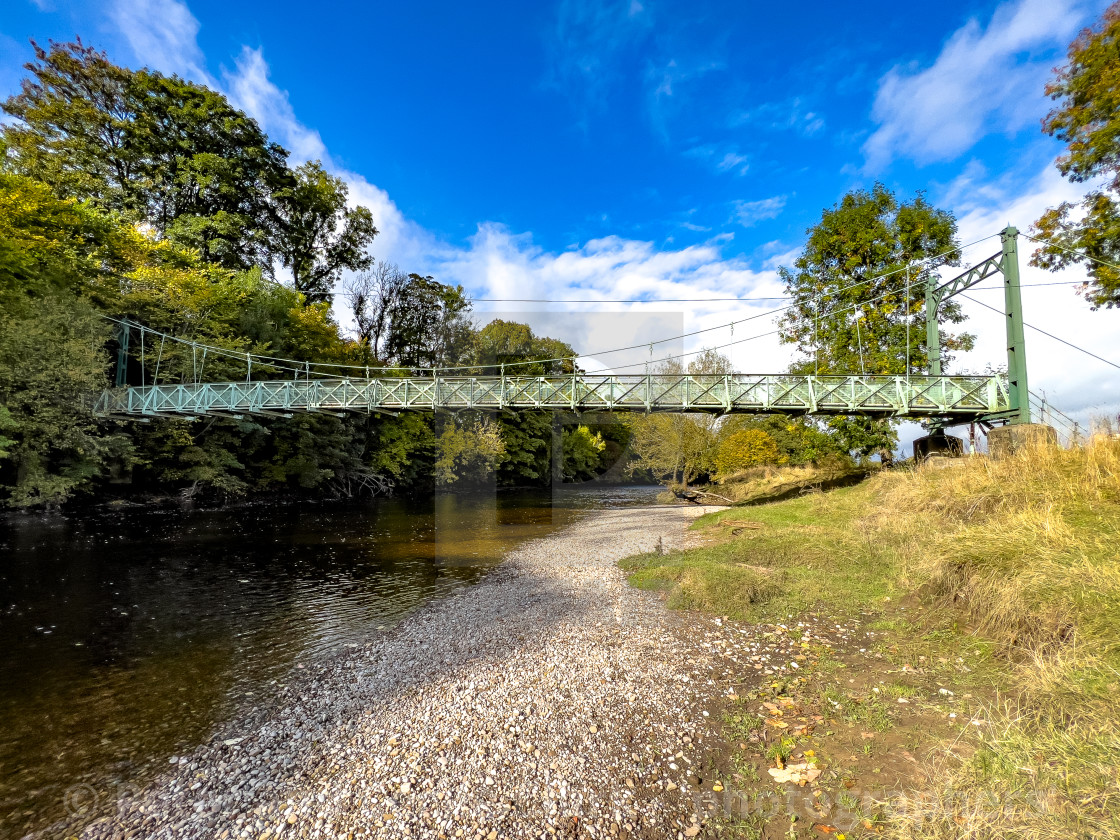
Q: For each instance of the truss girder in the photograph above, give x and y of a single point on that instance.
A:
(959, 397)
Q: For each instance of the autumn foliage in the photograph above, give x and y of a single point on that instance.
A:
(745, 449)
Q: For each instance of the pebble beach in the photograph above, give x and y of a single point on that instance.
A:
(549, 700)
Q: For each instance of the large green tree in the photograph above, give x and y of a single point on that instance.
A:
(850, 312)
(55, 254)
(318, 236)
(858, 291)
(160, 149)
(514, 345)
(1087, 119)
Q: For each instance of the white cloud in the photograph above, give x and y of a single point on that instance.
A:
(251, 89)
(732, 161)
(163, 34)
(501, 264)
(984, 80)
(789, 115)
(750, 213)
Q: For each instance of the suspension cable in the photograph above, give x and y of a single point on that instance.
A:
(1048, 335)
(280, 363)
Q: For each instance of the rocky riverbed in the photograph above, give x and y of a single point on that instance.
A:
(549, 700)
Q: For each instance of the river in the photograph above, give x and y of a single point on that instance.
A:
(126, 637)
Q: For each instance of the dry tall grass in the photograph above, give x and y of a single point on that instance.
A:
(1029, 546)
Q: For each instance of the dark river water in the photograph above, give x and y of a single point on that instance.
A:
(125, 638)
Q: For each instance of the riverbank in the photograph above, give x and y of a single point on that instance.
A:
(978, 694)
(550, 699)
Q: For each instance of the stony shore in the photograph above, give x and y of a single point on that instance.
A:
(549, 700)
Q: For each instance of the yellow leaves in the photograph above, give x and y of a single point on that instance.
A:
(744, 449)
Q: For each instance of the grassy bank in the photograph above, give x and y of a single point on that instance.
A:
(995, 581)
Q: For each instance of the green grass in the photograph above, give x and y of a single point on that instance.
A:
(801, 554)
(1013, 570)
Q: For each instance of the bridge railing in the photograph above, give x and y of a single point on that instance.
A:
(961, 397)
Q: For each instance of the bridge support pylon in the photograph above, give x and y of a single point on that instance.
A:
(1006, 263)
(1017, 387)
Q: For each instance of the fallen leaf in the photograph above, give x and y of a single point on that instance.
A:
(796, 773)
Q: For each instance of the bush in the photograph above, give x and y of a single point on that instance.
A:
(746, 449)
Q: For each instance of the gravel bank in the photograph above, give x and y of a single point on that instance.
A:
(549, 700)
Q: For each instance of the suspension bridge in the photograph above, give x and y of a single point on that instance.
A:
(943, 399)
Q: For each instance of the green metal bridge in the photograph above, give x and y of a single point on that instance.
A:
(960, 399)
(945, 400)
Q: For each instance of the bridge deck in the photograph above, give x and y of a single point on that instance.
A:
(959, 398)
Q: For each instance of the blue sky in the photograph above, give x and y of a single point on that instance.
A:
(639, 148)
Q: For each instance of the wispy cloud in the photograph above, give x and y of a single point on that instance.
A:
(722, 158)
(787, 115)
(587, 45)
(985, 79)
(250, 87)
(733, 162)
(750, 213)
(667, 82)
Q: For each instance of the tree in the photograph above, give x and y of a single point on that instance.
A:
(51, 246)
(75, 124)
(468, 452)
(583, 450)
(1087, 120)
(800, 440)
(51, 357)
(373, 295)
(54, 255)
(510, 343)
(680, 446)
(672, 446)
(159, 149)
(851, 313)
(428, 325)
(527, 436)
(318, 236)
